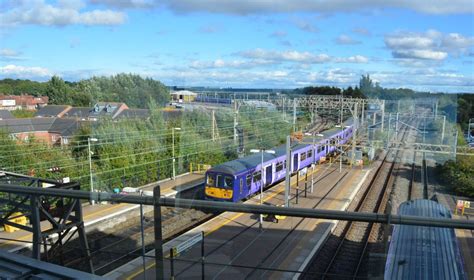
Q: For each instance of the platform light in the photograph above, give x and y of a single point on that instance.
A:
(261, 179)
(174, 159)
(90, 153)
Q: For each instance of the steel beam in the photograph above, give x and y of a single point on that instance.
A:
(245, 208)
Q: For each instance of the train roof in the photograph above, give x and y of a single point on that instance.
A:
(240, 165)
(328, 133)
(423, 251)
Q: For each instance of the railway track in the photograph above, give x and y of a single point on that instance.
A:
(112, 249)
(343, 257)
(258, 267)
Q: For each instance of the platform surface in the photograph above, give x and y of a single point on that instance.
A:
(235, 247)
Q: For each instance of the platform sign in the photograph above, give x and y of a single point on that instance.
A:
(183, 246)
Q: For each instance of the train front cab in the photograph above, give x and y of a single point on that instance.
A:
(219, 186)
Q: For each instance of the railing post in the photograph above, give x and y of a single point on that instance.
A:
(306, 185)
(159, 266)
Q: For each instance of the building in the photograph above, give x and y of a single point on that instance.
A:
(100, 110)
(183, 96)
(143, 114)
(25, 102)
(52, 111)
(53, 131)
(5, 115)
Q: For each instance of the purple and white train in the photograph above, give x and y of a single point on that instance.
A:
(241, 178)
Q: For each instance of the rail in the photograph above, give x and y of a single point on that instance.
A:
(241, 208)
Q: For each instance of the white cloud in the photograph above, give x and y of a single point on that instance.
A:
(320, 6)
(306, 26)
(9, 54)
(25, 72)
(353, 59)
(63, 13)
(126, 4)
(409, 42)
(457, 43)
(346, 40)
(299, 57)
(420, 54)
(220, 63)
(430, 45)
(289, 56)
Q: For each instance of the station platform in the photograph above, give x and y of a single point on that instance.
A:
(100, 216)
(465, 237)
(236, 248)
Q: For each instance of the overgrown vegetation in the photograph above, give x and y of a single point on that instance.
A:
(20, 114)
(132, 152)
(131, 89)
(459, 175)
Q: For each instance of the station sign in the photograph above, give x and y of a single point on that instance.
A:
(184, 246)
(461, 205)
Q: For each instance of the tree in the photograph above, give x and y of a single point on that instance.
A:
(365, 83)
(58, 91)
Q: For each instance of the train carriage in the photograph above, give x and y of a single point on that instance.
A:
(238, 179)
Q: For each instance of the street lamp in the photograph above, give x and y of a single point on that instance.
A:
(174, 160)
(261, 178)
(89, 140)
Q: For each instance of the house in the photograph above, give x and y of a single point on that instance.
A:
(53, 131)
(107, 109)
(25, 102)
(100, 110)
(5, 115)
(133, 114)
(51, 111)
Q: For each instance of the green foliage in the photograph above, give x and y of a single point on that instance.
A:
(21, 114)
(465, 110)
(17, 87)
(374, 90)
(325, 90)
(131, 89)
(459, 175)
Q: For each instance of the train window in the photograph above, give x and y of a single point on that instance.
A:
(249, 180)
(241, 185)
(228, 182)
(310, 153)
(303, 156)
(257, 176)
(220, 180)
(279, 167)
(210, 180)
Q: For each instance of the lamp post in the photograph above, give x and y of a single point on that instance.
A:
(261, 178)
(174, 159)
(89, 140)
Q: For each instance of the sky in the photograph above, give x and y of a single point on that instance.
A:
(418, 44)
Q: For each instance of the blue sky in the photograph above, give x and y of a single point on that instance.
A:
(419, 44)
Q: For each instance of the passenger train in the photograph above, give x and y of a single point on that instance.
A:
(241, 178)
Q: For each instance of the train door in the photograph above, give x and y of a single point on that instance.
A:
(295, 162)
(268, 175)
